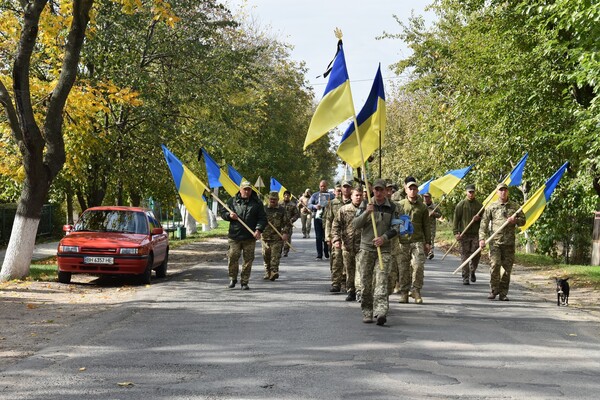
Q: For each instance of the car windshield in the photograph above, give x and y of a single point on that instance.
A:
(112, 221)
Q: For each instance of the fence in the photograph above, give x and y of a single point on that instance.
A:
(7, 219)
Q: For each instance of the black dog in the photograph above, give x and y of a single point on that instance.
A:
(562, 291)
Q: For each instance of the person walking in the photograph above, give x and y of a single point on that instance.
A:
(434, 214)
(411, 262)
(347, 238)
(291, 209)
(317, 203)
(244, 206)
(336, 261)
(502, 246)
(272, 243)
(305, 213)
(375, 297)
(466, 224)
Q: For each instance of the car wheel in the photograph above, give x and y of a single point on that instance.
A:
(147, 274)
(161, 271)
(64, 277)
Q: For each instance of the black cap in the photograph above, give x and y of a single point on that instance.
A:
(409, 179)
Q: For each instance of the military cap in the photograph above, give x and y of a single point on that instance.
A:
(389, 184)
(245, 184)
(379, 183)
(274, 195)
(427, 194)
(470, 187)
(348, 183)
(409, 179)
(501, 185)
(412, 183)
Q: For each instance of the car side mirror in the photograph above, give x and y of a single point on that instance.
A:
(157, 231)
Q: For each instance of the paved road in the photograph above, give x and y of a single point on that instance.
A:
(188, 337)
(40, 251)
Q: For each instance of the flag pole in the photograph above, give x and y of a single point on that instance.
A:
(464, 230)
(486, 242)
(338, 34)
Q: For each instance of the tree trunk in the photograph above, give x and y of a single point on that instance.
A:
(43, 155)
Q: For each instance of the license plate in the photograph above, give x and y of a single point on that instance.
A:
(98, 260)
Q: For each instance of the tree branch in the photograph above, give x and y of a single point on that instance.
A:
(11, 114)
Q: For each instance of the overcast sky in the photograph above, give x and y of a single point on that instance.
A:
(308, 25)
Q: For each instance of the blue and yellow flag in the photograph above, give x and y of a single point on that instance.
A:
(534, 207)
(234, 175)
(275, 186)
(448, 182)
(424, 188)
(371, 126)
(190, 188)
(217, 177)
(513, 179)
(336, 106)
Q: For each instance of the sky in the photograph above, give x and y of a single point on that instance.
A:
(309, 25)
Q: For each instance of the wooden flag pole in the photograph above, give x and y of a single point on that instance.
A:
(486, 242)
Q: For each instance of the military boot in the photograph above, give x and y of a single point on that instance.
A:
(416, 294)
(403, 297)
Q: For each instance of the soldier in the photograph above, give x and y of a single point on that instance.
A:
(411, 262)
(305, 213)
(434, 214)
(502, 247)
(347, 238)
(317, 203)
(247, 207)
(293, 214)
(375, 294)
(338, 277)
(272, 243)
(466, 214)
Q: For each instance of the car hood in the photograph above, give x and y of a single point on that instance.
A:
(104, 239)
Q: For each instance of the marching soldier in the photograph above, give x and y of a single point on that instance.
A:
(293, 214)
(272, 243)
(337, 263)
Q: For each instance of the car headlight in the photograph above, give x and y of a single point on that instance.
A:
(68, 249)
(129, 250)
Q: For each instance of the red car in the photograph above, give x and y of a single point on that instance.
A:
(114, 240)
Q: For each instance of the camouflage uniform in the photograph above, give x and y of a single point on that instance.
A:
(502, 246)
(343, 231)
(411, 261)
(252, 212)
(291, 209)
(463, 215)
(305, 215)
(375, 299)
(336, 261)
(433, 222)
(272, 242)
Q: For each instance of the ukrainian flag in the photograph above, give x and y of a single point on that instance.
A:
(534, 207)
(424, 188)
(448, 182)
(234, 175)
(336, 106)
(371, 125)
(217, 177)
(513, 179)
(275, 186)
(190, 188)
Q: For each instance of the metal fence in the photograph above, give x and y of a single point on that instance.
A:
(7, 219)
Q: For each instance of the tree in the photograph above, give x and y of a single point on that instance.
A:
(41, 147)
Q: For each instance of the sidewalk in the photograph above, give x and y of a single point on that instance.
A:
(40, 251)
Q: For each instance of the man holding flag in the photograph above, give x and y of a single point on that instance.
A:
(466, 229)
(502, 247)
(247, 207)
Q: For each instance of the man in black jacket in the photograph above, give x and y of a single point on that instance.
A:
(245, 206)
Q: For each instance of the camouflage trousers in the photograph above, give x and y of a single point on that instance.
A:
(394, 273)
(271, 252)
(306, 220)
(286, 245)
(236, 249)
(350, 269)
(433, 231)
(502, 258)
(375, 299)
(336, 265)
(411, 266)
(468, 245)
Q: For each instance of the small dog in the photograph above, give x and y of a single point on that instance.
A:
(562, 291)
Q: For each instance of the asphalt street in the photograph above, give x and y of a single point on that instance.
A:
(189, 337)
